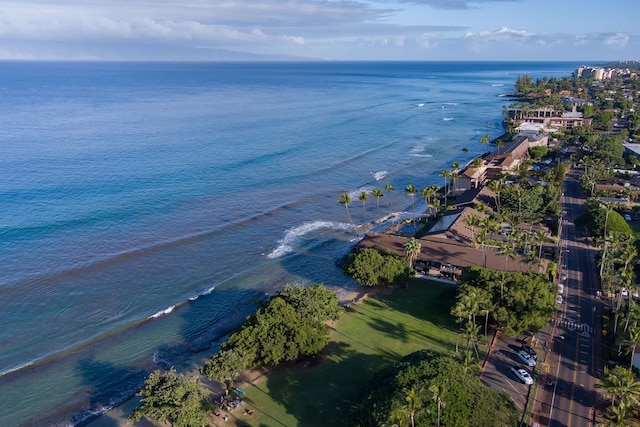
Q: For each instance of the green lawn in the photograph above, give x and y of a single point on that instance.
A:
(368, 336)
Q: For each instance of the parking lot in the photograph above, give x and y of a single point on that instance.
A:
(497, 369)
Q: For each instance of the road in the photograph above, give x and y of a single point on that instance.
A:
(576, 353)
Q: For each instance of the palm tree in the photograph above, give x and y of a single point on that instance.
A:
(619, 385)
(412, 249)
(363, 196)
(472, 222)
(508, 251)
(632, 342)
(413, 403)
(346, 201)
(616, 416)
(377, 193)
(389, 189)
(427, 194)
(485, 141)
(485, 307)
(477, 163)
(459, 311)
(540, 236)
(455, 166)
(445, 174)
(496, 188)
(499, 144)
(411, 191)
(472, 331)
(438, 392)
(467, 362)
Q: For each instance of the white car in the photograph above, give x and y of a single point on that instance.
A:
(526, 358)
(522, 375)
(559, 299)
(560, 288)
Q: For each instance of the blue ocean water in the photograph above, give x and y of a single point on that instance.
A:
(146, 208)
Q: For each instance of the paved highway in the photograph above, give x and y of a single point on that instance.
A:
(577, 344)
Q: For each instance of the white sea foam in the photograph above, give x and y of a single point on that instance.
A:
(163, 312)
(16, 368)
(447, 119)
(379, 175)
(207, 292)
(293, 235)
(451, 103)
(419, 151)
(497, 85)
(421, 104)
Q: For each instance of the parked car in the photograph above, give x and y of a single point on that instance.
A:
(559, 299)
(522, 375)
(560, 288)
(563, 276)
(526, 358)
(627, 217)
(530, 351)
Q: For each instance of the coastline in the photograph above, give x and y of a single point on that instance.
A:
(117, 415)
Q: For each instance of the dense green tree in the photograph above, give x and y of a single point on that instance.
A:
(538, 153)
(520, 301)
(469, 403)
(598, 217)
(287, 327)
(603, 120)
(226, 365)
(169, 397)
(277, 333)
(315, 301)
(371, 267)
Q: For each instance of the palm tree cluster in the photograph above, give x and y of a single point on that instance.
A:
(429, 194)
(623, 391)
(472, 301)
(528, 243)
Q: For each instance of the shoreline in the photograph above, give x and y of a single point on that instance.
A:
(117, 415)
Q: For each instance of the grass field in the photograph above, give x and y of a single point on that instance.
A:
(369, 335)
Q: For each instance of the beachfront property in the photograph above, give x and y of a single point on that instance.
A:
(603, 73)
(549, 118)
(449, 246)
(503, 160)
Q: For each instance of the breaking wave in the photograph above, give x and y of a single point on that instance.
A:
(293, 235)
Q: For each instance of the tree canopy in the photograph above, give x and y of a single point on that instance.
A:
(173, 398)
(429, 386)
(288, 327)
(371, 267)
(520, 302)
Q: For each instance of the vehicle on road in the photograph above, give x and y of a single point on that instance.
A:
(564, 276)
(526, 358)
(531, 352)
(559, 299)
(522, 375)
(627, 217)
(560, 288)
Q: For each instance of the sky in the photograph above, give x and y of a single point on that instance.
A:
(423, 30)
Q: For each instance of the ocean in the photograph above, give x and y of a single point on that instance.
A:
(147, 208)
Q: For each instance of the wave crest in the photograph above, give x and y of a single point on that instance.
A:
(163, 312)
(293, 235)
(379, 175)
